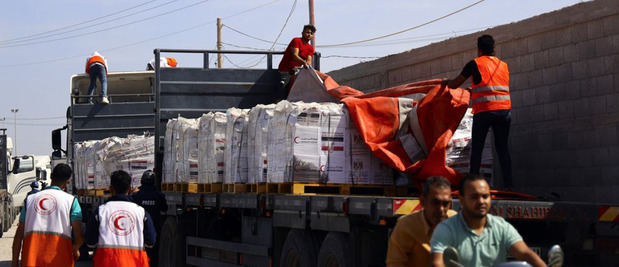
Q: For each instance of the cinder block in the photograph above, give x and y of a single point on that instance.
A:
(594, 29)
(601, 65)
(564, 72)
(543, 95)
(615, 49)
(586, 49)
(579, 32)
(607, 136)
(551, 111)
(534, 43)
(518, 81)
(581, 69)
(604, 84)
(612, 103)
(610, 25)
(549, 40)
(528, 98)
(604, 46)
(536, 78)
(601, 157)
(521, 46)
(616, 81)
(513, 64)
(563, 36)
(584, 158)
(435, 66)
(575, 139)
(587, 87)
(536, 115)
(596, 105)
(540, 59)
(570, 52)
(527, 62)
(566, 110)
(555, 56)
(544, 141)
(549, 75)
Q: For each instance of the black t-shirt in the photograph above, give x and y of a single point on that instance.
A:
(471, 69)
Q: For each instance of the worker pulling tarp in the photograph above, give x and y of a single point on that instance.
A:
(387, 118)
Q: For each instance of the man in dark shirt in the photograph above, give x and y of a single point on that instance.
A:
(154, 203)
(298, 54)
(491, 104)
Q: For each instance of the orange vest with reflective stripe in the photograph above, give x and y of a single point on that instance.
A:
(47, 229)
(121, 235)
(492, 93)
(93, 60)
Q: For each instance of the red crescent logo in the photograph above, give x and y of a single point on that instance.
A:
(41, 203)
(116, 223)
(296, 140)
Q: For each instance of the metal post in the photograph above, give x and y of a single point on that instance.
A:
(219, 56)
(311, 20)
(15, 110)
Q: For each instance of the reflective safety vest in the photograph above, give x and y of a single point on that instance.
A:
(121, 235)
(492, 93)
(95, 59)
(171, 62)
(47, 229)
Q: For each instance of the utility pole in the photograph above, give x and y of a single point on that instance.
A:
(219, 56)
(311, 19)
(14, 110)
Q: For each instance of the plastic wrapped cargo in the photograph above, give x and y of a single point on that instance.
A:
(335, 143)
(366, 168)
(235, 153)
(168, 158)
(458, 154)
(203, 128)
(258, 131)
(178, 173)
(215, 130)
(77, 151)
(189, 137)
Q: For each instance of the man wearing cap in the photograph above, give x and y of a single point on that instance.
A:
(50, 225)
(154, 203)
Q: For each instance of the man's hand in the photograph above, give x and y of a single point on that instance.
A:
(76, 254)
(444, 82)
(521, 251)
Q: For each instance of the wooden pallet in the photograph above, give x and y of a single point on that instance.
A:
(279, 188)
(236, 188)
(186, 187)
(342, 189)
(258, 188)
(210, 188)
(167, 187)
(101, 192)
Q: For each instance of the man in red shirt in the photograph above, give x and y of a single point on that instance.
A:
(298, 54)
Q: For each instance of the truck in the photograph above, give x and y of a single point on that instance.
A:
(16, 175)
(329, 227)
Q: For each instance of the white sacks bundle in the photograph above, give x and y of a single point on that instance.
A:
(211, 146)
(95, 161)
(458, 154)
(189, 137)
(235, 154)
(279, 148)
(258, 132)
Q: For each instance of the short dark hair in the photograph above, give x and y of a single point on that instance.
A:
(485, 43)
(310, 27)
(61, 173)
(120, 181)
(435, 181)
(467, 179)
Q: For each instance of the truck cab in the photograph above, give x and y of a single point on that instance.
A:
(22, 171)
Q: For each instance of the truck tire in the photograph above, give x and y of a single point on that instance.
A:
(299, 250)
(172, 244)
(335, 251)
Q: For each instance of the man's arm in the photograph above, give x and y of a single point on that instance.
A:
(297, 58)
(398, 245)
(309, 60)
(150, 234)
(78, 238)
(17, 241)
(437, 260)
(92, 230)
(521, 251)
(455, 82)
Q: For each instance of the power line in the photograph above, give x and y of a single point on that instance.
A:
(37, 119)
(340, 56)
(26, 41)
(76, 24)
(106, 29)
(138, 42)
(250, 36)
(405, 30)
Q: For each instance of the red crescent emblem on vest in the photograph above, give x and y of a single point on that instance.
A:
(46, 204)
(296, 140)
(116, 223)
(41, 203)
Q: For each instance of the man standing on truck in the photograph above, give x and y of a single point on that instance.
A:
(120, 229)
(96, 67)
(47, 220)
(298, 54)
(154, 203)
(491, 104)
(409, 244)
(480, 238)
(164, 62)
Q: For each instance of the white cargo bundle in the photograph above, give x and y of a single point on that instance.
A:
(211, 146)
(335, 143)
(366, 168)
(306, 144)
(235, 153)
(177, 164)
(189, 167)
(78, 173)
(258, 131)
(458, 154)
(168, 158)
(279, 148)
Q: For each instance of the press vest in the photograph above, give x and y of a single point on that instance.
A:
(47, 229)
(93, 60)
(492, 93)
(121, 235)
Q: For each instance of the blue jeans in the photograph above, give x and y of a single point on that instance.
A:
(500, 121)
(97, 71)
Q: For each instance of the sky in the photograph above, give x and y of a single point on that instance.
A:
(44, 43)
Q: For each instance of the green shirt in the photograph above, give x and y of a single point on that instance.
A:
(487, 249)
(76, 210)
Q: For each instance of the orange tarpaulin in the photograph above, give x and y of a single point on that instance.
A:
(377, 118)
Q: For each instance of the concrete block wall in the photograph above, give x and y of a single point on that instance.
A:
(564, 68)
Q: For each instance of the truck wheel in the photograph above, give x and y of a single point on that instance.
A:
(335, 251)
(172, 244)
(299, 250)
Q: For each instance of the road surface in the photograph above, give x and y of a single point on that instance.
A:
(6, 243)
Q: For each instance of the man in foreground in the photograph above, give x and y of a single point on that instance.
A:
(409, 244)
(480, 238)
